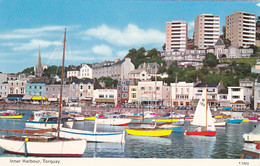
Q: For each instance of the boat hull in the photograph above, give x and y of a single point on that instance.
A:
(72, 148)
(116, 137)
(149, 133)
(202, 133)
(80, 118)
(234, 121)
(90, 118)
(114, 122)
(41, 125)
(220, 124)
(12, 117)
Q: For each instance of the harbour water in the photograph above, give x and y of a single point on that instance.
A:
(227, 144)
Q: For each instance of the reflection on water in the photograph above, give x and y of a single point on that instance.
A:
(228, 142)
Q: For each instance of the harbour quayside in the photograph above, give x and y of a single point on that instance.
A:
(44, 145)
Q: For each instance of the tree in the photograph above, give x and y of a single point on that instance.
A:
(210, 60)
(194, 47)
(164, 47)
(29, 70)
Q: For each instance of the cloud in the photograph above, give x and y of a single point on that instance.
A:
(32, 32)
(35, 43)
(258, 4)
(102, 50)
(122, 54)
(190, 25)
(69, 56)
(130, 36)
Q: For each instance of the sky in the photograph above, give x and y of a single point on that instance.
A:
(97, 30)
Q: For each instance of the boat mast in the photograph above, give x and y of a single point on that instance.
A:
(155, 102)
(206, 108)
(61, 83)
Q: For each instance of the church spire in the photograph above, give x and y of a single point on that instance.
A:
(38, 70)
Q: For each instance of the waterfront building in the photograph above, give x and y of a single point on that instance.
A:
(176, 35)
(206, 30)
(146, 93)
(106, 96)
(133, 92)
(241, 29)
(119, 69)
(3, 90)
(257, 96)
(181, 94)
(212, 92)
(222, 99)
(17, 87)
(221, 51)
(52, 92)
(85, 71)
(138, 74)
(81, 90)
(35, 89)
(123, 92)
(239, 97)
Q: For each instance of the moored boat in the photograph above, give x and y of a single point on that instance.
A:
(114, 120)
(234, 121)
(148, 132)
(11, 114)
(254, 135)
(251, 150)
(203, 118)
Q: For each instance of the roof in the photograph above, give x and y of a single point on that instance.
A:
(84, 81)
(119, 62)
(219, 42)
(240, 102)
(73, 69)
(208, 85)
(136, 71)
(223, 91)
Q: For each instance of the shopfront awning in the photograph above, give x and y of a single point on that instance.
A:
(52, 99)
(158, 100)
(104, 100)
(39, 98)
(27, 97)
(15, 97)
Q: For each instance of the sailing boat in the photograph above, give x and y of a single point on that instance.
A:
(43, 145)
(203, 117)
(150, 131)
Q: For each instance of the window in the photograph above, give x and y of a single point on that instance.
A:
(40, 93)
(40, 87)
(119, 88)
(199, 91)
(235, 97)
(80, 94)
(30, 87)
(158, 88)
(11, 90)
(35, 87)
(47, 89)
(81, 86)
(101, 96)
(89, 87)
(125, 88)
(133, 89)
(111, 96)
(124, 95)
(133, 95)
(142, 88)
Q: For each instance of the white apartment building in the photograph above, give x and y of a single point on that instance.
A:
(206, 30)
(241, 29)
(147, 95)
(85, 71)
(181, 93)
(239, 97)
(176, 35)
(107, 96)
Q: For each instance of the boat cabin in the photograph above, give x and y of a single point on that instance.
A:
(48, 119)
